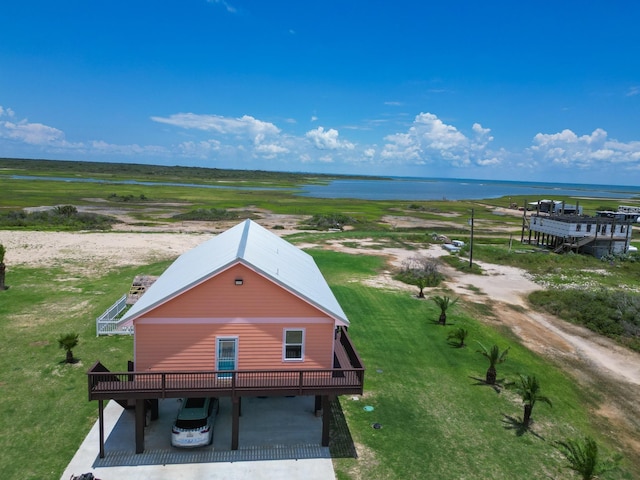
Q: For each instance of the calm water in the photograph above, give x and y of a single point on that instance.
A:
(457, 189)
(404, 188)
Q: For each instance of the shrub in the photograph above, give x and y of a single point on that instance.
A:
(207, 215)
(420, 271)
(325, 221)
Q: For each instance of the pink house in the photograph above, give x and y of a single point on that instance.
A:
(243, 314)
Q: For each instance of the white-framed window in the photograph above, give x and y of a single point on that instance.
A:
(293, 350)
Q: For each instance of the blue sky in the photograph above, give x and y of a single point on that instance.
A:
(542, 91)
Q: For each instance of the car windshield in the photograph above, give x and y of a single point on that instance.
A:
(191, 424)
(193, 414)
(194, 403)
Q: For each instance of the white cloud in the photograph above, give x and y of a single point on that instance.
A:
(219, 124)
(328, 139)
(6, 111)
(633, 91)
(430, 139)
(32, 133)
(271, 150)
(201, 149)
(228, 7)
(587, 151)
(51, 139)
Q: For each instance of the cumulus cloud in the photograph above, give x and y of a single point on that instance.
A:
(328, 139)
(32, 133)
(271, 150)
(6, 112)
(45, 137)
(567, 149)
(429, 139)
(219, 124)
(250, 136)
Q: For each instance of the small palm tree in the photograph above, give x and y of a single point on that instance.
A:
(582, 458)
(421, 283)
(495, 357)
(68, 341)
(444, 303)
(460, 335)
(529, 389)
(3, 267)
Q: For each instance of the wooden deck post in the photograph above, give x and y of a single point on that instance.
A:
(326, 420)
(140, 419)
(101, 425)
(235, 422)
(155, 409)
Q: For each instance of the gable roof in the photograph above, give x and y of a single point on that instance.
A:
(255, 247)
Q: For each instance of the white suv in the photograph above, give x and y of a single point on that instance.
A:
(194, 424)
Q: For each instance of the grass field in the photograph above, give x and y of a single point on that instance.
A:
(438, 420)
(437, 417)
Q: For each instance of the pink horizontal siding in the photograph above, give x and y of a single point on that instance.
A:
(221, 297)
(192, 346)
(181, 334)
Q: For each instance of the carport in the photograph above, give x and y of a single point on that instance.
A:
(142, 390)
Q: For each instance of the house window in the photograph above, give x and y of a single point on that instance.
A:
(588, 227)
(293, 345)
(578, 227)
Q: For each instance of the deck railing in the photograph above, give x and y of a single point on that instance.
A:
(107, 323)
(128, 385)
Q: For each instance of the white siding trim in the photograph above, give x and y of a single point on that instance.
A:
(234, 321)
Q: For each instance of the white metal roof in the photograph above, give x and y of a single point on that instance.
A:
(254, 246)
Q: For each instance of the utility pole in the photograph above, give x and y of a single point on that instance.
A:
(471, 242)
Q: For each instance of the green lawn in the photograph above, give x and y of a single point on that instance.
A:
(438, 420)
(45, 410)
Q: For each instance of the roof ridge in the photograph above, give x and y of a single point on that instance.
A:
(242, 245)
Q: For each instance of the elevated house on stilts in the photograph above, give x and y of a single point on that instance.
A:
(243, 314)
(571, 232)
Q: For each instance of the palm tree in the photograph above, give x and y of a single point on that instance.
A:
(495, 357)
(3, 267)
(444, 303)
(421, 283)
(529, 389)
(68, 341)
(460, 335)
(582, 458)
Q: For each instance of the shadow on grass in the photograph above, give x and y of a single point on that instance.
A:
(516, 424)
(340, 441)
(456, 344)
(498, 386)
(73, 362)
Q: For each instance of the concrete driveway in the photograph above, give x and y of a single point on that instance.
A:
(279, 438)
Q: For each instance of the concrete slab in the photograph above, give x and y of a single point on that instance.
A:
(279, 438)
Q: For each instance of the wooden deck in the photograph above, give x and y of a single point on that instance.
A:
(346, 378)
(130, 385)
